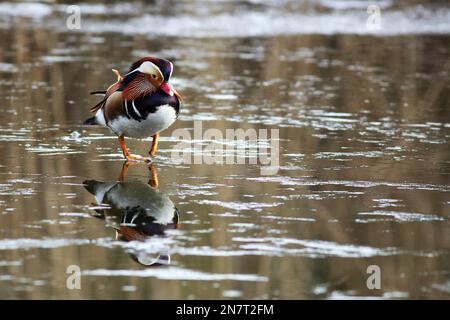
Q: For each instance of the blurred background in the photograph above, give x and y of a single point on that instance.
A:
(357, 89)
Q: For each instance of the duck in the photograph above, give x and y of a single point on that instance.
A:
(136, 211)
(140, 104)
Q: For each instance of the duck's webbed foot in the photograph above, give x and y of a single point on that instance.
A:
(154, 148)
(131, 157)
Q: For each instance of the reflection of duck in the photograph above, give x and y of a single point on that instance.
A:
(135, 210)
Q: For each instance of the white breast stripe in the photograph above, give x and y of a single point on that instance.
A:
(136, 110)
(134, 217)
(126, 109)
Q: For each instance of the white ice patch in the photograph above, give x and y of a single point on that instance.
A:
(32, 10)
(271, 18)
(415, 20)
(174, 273)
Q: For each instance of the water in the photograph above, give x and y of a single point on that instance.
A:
(364, 130)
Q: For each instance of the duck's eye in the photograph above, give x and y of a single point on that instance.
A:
(154, 76)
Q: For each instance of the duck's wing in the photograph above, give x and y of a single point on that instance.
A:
(106, 94)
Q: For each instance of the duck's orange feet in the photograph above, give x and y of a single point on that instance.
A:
(153, 182)
(132, 157)
(128, 156)
(124, 171)
(154, 145)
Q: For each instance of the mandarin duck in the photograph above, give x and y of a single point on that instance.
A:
(136, 211)
(141, 104)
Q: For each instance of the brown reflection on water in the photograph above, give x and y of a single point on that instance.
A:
(361, 119)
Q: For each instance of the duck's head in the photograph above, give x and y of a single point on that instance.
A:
(148, 75)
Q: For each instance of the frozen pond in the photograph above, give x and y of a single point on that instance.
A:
(364, 161)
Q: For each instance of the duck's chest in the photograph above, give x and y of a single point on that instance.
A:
(145, 125)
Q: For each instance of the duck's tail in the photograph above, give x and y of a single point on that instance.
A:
(91, 121)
